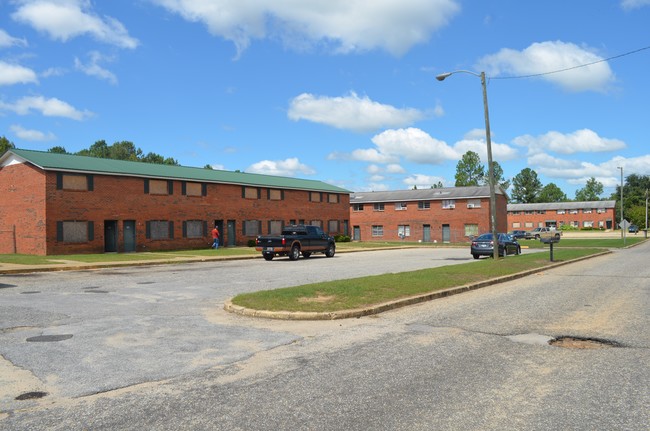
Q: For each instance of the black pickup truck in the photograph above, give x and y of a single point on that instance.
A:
(294, 240)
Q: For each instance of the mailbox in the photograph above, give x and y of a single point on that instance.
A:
(550, 239)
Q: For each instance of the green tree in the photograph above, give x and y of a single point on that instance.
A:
(634, 195)
(57, 150)
(438, 185)
(526, 186)
(469, 170)
(591, 191)
(551, 193)
(5, 145)
(208, 166)
(499, 179)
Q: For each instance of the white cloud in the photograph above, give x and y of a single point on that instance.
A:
(288, 168)
(7, 40)
(52, 107)
(67, 19)
(544, 57)
(31, 135)
(342, 26)
(580, 141)
(634, 4)
(11, 74)
(422, 181)
(351, 112)
(413, 145)
(92, 68)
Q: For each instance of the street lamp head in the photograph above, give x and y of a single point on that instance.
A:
(442, 76)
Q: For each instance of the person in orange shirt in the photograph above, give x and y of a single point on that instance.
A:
(215, 238)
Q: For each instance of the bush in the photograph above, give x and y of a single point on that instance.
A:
(251, 243)
(342, 238)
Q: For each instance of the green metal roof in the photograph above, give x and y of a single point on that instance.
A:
(92, 165)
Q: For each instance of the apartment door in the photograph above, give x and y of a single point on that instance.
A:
(129, 235)
(426, 233)
(356, 236)
(231, 232)
(110, 236)
(446, 233)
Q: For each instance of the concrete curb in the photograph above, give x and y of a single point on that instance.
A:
(386, 306)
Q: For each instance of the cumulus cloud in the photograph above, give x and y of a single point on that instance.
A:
(634, 4)
(351, 112)
(580, 141)
(93, 68)
(552, 56)
(290, 167)
(422, 181)
(31, 135)
(342, 26)
(67, 19)
(7, 41)
(52, 107)
(11, 74)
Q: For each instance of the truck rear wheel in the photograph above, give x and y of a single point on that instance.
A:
(294, 254)
(331, 249)
(268, 256)
(306, 254)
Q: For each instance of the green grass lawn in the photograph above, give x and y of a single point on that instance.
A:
(366, 291)
(584, 242)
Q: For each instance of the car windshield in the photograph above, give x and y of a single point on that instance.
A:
(485, 237)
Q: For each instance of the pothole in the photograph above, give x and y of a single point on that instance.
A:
(569, 342)
(30, 396)
(49, 338)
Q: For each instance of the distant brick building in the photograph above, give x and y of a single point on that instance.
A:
(442, 215)
(591, 214)
(63, 204)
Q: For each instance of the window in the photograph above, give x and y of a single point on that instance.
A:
(515, 212)
(473, 203)
(160, 229)
(424, 205)
(74, 182)
(75, 231)
(251, 192)
(276, 195)
(195, 228)
(251, 227)
(318, 223)
(529, 212)
(275, 227)
(378, 207)
(315, 197)
(193, 189)
(357, 207)
(601, 211)
(400, 206)
(587, 224)
(448, 204)
(561, 211)
(471, 229)
(601, 224)
(516, 225)
(529, 224)
(377, 230)
(158, 187)
(573, 211)
(333, 198)
(403, 231)
(333, 226)
(586, 211)
(541, 211)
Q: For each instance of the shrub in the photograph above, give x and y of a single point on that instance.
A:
(252, 243)
(342, 238)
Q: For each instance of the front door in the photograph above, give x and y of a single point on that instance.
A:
(219, 225)
(231, 232)
(426, 233)
(110, 236)
(446, 233)
(129, 235)
(357, 233)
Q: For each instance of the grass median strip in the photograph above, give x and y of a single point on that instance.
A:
(362, 292)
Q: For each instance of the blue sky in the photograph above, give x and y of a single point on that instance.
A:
(342, 91)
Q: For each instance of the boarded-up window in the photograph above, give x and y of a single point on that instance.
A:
(252, 227)
(158, 187)
(471, 229)
(315, 197)
(251, 193)
(333, 198)
(318, 223)
(333, 226)
(193, 189)
(275, 195)
(75, 182)
(194, 229)
(159, 229)
(275, 227)
(75, 231)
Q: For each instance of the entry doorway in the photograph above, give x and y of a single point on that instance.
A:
(231, 232)
(426, 233)
(110, 236)
(446, 233)
(356, 236)
(129, 236)
(219, 225)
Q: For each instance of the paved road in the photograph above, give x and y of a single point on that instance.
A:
(157, 352)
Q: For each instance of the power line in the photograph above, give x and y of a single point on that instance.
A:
(571, 68)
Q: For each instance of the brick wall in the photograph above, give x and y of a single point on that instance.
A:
(435, 217)
(22, 210)
(604, 220)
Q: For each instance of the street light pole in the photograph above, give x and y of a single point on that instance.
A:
(488, 140)
(622, 219)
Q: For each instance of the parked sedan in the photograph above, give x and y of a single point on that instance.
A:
(484, 246)
(633, 229)
(519, 234)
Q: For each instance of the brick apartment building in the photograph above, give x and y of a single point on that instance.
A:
(429, 215)
(63, 204)
(592, 214)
